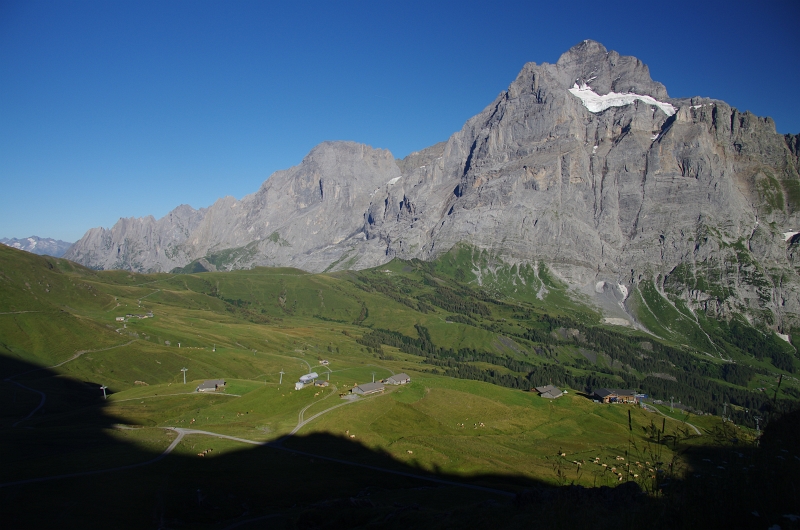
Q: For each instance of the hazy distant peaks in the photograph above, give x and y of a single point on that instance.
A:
(44, 246)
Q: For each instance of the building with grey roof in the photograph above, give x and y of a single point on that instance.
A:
(399, 379)
(368, 388)
(211, 385)
(615, 395)
(549, 391)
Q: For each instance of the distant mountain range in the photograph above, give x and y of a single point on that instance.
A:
(586, 166)
(45, 246)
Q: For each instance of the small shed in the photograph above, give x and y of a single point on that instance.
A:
(321, 383)
(368, 388)
(549, 391)
(211, 385)
(399, 379)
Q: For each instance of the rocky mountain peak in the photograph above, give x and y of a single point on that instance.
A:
(590, 63)
(585, 166)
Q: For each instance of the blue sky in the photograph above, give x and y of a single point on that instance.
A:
(120, 108)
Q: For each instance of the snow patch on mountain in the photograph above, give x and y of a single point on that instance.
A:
(597, 103)
(623, 290)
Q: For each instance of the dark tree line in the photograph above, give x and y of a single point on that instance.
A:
(759, 345)
(456, 302)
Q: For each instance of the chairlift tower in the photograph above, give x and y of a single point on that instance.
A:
(373, 377)
(671, 403)
(281, 372)
(184, 370)
(103, 388)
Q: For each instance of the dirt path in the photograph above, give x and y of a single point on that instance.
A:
(34, 411)
(302, 423)
(211, 394)
(10, 379)
(654, 409)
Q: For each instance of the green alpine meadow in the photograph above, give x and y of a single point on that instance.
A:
(99, 420)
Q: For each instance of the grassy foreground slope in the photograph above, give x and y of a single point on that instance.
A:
(472, 350)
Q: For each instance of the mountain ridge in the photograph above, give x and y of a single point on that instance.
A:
(581, 164)
(44, 246)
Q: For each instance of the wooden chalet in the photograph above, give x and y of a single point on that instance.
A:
(549, 391)
(399, 379)
(615, 395)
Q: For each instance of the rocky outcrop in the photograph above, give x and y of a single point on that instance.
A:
(586, 165)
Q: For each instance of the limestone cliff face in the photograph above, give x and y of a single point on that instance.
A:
(303, 217)
(143, 244)
(586, 165)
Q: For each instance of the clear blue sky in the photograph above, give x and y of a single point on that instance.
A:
(118, 108)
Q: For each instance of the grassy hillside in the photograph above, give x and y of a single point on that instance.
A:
(474, 334)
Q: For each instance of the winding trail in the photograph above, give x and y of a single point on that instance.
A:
(302, 361)
(383, 368)
(34, 411)
(660, 290)
(315, 416)
(10, 379)
(145, 296)
(301, 422)
(654, 409)
(210, 394)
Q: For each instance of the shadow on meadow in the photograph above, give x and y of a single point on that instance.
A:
(313, 481)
